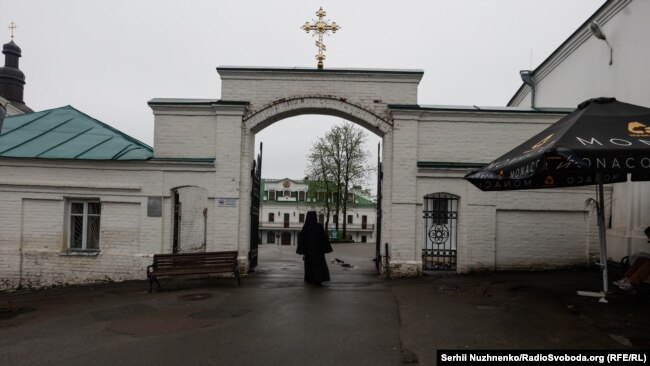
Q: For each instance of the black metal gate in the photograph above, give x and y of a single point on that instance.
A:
(177, 221)
(440, 231)
(380, 176)
(256, 179)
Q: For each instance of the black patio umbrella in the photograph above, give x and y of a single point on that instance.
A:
(600, 142)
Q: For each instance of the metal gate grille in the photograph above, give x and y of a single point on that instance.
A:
(440, 231)
(256, 179)
(380, 177)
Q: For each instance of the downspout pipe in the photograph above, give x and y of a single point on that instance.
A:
(527, 78)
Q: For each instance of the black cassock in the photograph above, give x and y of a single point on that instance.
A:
(313, 243)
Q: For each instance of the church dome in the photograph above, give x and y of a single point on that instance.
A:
(12, 73)
(12, 48)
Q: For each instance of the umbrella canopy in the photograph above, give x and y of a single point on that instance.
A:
(600, 142)
(601, 136)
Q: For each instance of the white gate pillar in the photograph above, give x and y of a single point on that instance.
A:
(400, 192)
(233, 163)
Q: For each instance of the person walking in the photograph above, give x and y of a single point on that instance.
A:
(313, 243)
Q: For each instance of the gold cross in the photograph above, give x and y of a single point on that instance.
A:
(12, 26)
(320, 27)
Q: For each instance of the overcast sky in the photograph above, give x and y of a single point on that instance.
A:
(108, 58)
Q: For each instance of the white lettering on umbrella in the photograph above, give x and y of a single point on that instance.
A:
(585, 142)
(628, 164)
(615, 164)
(644, 141)
(588, 161)
(524, 170)
(645, 162)
(561, 165)
(620, 142)
(600, 163)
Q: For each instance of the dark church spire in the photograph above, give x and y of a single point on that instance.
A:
(12, 80)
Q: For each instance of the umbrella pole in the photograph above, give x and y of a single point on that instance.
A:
(601, 233)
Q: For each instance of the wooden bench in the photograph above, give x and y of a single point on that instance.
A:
(192, 263)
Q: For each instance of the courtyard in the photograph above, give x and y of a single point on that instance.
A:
(274, 318)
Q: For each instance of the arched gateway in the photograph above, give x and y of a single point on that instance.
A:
(426, 149)
(255, 98)
(88, 206)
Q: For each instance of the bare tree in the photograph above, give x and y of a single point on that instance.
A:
(319, 177)
(337, 162)
(354, 168)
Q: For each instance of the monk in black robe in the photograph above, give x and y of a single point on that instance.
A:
(313, 243)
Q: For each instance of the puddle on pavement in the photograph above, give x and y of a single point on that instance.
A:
(122, 312)
(158, 323)
(10, 313)
(519, 288)
(221, 312)
(9, 317)
(447, 289)
(195, 297)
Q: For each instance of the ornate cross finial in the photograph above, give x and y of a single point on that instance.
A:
(320, 27)
(12, 26)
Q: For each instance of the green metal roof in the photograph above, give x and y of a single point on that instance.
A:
(66, 133)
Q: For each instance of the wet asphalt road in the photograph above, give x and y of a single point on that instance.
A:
(274, 318)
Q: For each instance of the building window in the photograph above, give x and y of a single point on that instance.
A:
(301, 196)
(320, 197)
(270, 237)
(272, 195)
(336, 219)
(301, 218)
(84, 225)
(321, 218)
(287, 194)
(271, 217)
(349, 219)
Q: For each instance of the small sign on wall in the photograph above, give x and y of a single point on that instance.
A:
(227, 202)
(154, 206)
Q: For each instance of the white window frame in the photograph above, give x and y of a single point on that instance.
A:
(84, 214)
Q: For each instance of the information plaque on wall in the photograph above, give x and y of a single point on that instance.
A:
(154, 206)
(227, 202)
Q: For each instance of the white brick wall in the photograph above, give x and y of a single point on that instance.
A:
(33, 235)
(186, 134)
(504, 230)
(33, 192)
(371, 90)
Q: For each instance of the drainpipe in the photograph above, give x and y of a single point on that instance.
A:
(527, 78)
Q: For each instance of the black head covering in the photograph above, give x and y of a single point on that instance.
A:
(310, 220)
(312, 237)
